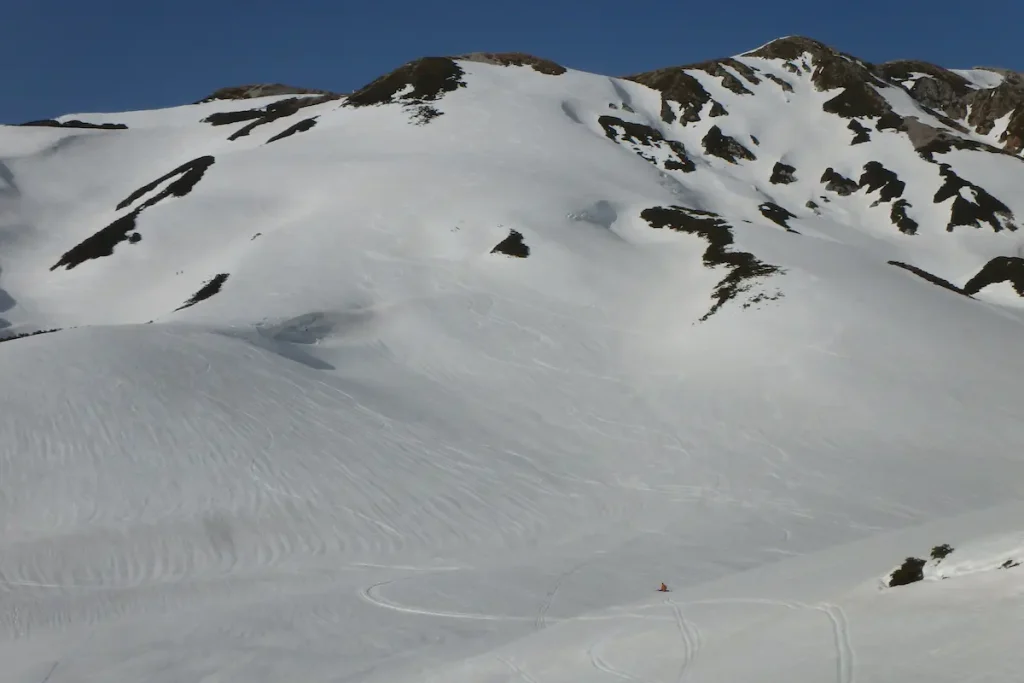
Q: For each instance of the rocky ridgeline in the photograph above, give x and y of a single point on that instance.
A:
(953, 114)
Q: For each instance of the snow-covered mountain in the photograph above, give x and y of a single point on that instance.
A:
(438, 380)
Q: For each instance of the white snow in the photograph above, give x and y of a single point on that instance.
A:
(383, 453)
(913, 78)
(980, 556)
(981, 78)
(177, 116)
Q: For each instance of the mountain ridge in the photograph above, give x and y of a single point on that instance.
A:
(442, 378)
(941, 111)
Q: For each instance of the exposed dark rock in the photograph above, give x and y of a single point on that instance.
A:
(640, 136)
(512, 245)
(24, 335)
(812, 205)
(729, 81)
(52, 123)
(983, 209)
(942, 93)
(544, 66)
(898, 216)
(782, 83)
(427, 80)
(929, 140)
(833, 70)
(103, 242)
(858, 100)
(777, 215)
(300, 127)
(423, 114)
(191, 172)
(990, 105)
(878, 178)
(939, 89)
(921, 134)
(1013, 136)
(717, 110)
(246, 129)
(889, 121)
(718, 144)
(272, 111)
(675, 85)
(912, 571)
(946, 121)
(264, 115)
(100, 244)
(949, 96)
(840, 184)
(925, 275)
(944, 142)
(430, 79)
(744, 70)
(1000, 269)
(838, 70)
(1009, 564)
(941, 552)
(754, 139)
(790, 48)
(861, 133)
(206, 291)
(744, 268)
(782, 174)
(252, 91)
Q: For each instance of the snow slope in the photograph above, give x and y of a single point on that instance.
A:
(376, 450)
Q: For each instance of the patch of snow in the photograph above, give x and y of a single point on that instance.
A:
(982, 79)
(176, 116)
(978, 556)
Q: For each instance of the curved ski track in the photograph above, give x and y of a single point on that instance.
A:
(689, 632)
(602, 665)
(690, 635)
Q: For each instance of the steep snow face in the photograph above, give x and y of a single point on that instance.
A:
(441, 379)
(981, 78)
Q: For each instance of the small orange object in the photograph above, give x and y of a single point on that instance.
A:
(663, 589)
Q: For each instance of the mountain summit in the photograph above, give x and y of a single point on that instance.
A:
(793, 133)
(441, 378)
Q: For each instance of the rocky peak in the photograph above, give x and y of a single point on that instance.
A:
(950, 93)
(252, 91)
(791, 48)
(544, 66)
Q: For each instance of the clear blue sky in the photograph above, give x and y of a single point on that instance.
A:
(65, 56)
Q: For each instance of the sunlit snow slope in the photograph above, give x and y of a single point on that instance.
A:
(439, 380)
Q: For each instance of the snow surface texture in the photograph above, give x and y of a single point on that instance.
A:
(444, 378)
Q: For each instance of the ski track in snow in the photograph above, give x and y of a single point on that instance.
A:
(517, 670)
(598, 662)
(372, 595)
(541, 620)
(845, 656)
(689, 633)
(49, 674)
(691, 638)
